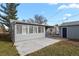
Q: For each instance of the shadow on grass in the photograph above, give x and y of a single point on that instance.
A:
(5, 37)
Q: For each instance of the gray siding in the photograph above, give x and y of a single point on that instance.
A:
(73, 32)
(60, 31)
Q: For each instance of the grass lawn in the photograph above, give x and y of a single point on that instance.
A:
(6, 48)
(63, 48)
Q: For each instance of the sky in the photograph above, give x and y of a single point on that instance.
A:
(55, 13)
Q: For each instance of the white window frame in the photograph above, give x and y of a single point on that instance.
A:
(18, 28)
(35, 29)
(30, 28)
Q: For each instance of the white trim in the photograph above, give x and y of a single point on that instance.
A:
(28, 28)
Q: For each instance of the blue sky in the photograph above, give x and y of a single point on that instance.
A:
(55, 13)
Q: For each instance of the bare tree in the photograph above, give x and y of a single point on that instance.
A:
(38, 19)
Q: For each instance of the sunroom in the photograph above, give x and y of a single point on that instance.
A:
(25, 31)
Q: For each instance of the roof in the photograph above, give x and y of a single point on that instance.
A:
(21, 22)
(73, 23)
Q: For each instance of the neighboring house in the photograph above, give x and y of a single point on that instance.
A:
(53, 31)
(70, 30)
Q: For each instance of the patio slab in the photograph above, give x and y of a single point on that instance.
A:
(29, 46)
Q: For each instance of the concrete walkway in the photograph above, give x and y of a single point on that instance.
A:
(30, 46)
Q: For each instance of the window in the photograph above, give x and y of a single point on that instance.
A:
(39, 29)
(35, 29)
(19, 29)
(26, 29)
(30, 29)
(42, 29)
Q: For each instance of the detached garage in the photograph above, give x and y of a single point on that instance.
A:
(70, 30)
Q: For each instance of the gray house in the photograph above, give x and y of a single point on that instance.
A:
(69, 30)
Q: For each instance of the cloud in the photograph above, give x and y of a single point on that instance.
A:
(64, 18)
(67, 15)
(69, 6)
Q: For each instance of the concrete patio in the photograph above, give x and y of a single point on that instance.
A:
(33, 45)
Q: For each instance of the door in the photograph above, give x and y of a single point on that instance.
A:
(64, 32)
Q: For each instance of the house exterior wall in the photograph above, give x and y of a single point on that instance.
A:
(60, 31)
(72, 32)
(27, 36)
